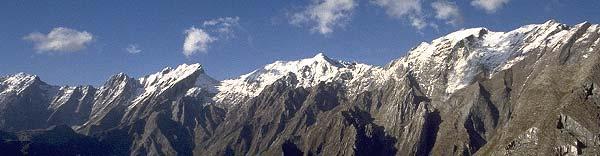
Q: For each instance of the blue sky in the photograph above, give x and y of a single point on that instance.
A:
(85, 42)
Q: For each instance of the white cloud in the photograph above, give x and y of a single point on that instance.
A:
(223, 26)
(404, 8)
(325, 15)
(400, 8)
(489, 6)
(447, 11)
(133, 49)
(60, 39)
(417, 22)
(197, 40)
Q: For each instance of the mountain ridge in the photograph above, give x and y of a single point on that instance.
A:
(454, 37)
(473, 91)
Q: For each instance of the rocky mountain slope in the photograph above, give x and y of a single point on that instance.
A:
(529, 91)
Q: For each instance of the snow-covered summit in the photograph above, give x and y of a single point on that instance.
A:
(18, 77)
(66, 94)
(309, 72)
(170, 76)
(16, 83)
(455, 60)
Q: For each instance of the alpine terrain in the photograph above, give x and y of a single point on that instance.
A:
(534, 90)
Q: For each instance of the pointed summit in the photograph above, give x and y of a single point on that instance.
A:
(551, 21)
(171, 75)
(308, 72)
(22, 75)
(320, 55)
(20, 78)
(553, 24)
(322, 58)
(464, 33)
(120, 78)
(18, 82)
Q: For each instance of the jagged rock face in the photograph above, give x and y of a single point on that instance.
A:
(290, 120)
(29, 103)
(453, 101)
(530, 91)
(159, 114)
(72, 105)
(517, 110)
(24, 103)
(110, 103)
(547, 91)
(455, 61)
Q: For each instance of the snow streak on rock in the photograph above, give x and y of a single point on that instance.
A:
(309, 72)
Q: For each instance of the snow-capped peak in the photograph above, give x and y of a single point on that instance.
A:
(321, 58)
(16, 83)
(309, 72)
(466, 53)
(426, 51)
(19, 77)
(159, 82)
(169, 77)
(64, 93)
(463, 34)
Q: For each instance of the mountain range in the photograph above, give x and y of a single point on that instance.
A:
(528, 91)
